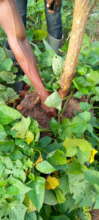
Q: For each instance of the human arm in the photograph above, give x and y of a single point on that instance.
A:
(12, 24)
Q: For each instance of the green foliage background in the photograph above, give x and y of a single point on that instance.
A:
(68, 155)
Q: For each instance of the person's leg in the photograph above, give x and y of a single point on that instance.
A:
(54, 26)
(22, 8)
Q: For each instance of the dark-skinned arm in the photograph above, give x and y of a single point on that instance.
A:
(11, 23)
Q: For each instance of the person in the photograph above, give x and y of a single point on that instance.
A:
(53, 18)
(11, 22)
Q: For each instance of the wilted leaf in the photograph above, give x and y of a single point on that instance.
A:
(39, 160)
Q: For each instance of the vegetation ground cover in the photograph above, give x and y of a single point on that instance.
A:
(49, 173)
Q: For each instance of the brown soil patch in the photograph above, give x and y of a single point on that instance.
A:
(95, 214)
(72, 107)
(31, 106)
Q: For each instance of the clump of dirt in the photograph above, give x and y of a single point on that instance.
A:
(72, 107)
(95, 214)
(31, 106)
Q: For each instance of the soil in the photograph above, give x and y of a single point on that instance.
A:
(72, 107)
(31, 106)
(95, 214)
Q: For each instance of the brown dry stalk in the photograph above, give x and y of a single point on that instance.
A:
(80, 15)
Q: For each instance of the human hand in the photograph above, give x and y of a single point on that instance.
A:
(49, 110)
(52, 5)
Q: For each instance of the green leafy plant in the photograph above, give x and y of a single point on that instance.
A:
(24, 158)
(52, 177)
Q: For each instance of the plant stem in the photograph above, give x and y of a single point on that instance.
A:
(80, 16)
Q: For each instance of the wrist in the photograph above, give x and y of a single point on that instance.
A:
(43, 95)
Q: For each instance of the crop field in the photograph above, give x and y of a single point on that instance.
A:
(49, 166)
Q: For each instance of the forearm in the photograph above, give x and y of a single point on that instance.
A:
(26, 60)
(12, 24)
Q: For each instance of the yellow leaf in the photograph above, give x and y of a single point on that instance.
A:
(29, 137)
(39, 34)
(93, 153)
(31, 207)
(71, 143)
(39, 160)
(29, 204)
(52, 183)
